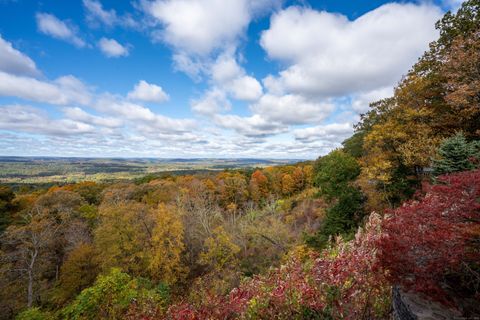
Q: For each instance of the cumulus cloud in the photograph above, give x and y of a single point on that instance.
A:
(196, 29)
(112, 49)
(361, 101)
(334, 132)
(254, 126)
(148, 92)
(32, 120)
(141, 115)
(226, 73)
(79, 114)
(15, 62)
(56, 28)
(96, 15)
(329, 55)
(292, 109)
(212, 102)
(245, 88)
(61, 91)
(228, 79)
(200, 26)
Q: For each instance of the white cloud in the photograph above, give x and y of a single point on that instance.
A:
(62, 91)
(200, 26)
(212, 102)
(142, 116)
(334, 132)
(292, 109)
(361, 101)
(32, 120)
(245, 88)
(96, 14)
(74, 89)
(225, 69)
(52, 26)
(112, 49)
(198, 29)
(144, 91)
(79, 114)
(189, 65)
(328, 55)
(228, 75)
(254, 126)
(15, 62)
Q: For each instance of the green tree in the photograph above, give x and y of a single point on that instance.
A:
(456, 154)
(34, 314)
(111, 296)
(354, 145)
(335, 174)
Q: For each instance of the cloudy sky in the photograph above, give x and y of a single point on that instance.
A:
(199, 78)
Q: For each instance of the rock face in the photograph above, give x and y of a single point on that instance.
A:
(409, 306)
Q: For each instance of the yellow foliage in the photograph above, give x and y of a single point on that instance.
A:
(220, 251)
(123, 237)
(77, 273)
(167, 246)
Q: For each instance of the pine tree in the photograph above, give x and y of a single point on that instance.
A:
(456, 154)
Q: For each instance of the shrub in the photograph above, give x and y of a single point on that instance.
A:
(425, 241)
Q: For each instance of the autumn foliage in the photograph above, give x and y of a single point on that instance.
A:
(343, 282)
(425, 241)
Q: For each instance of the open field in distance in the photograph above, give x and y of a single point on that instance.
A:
(33, 170)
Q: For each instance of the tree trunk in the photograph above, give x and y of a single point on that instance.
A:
(30, 289)
(30, 278)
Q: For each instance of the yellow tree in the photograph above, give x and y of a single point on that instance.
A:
(308, 174)
(258, 186)
(398, 143)
(167, 246)
(232, 188)
(78, 272)
(220, 258)
(123, 236)
(298, 179)
(288, 184)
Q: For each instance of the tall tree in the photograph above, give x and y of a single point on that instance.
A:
(167, 246)
(28, 250)
(123, 237)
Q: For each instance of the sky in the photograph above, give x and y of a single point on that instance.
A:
(200, 78)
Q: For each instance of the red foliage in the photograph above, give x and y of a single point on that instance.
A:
(363, 289)
(343, 283)
(415, 245)
(425, 240)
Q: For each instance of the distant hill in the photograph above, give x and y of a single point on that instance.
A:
(73, 169)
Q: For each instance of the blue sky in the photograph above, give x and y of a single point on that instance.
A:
(199, 78)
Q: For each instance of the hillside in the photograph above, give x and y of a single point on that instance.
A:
(397, 206)
(38, 170)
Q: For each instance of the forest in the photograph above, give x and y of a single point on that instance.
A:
(397, 205)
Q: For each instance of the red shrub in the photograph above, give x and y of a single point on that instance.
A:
(425, 240)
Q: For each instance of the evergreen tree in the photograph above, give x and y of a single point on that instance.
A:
(456, 154)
